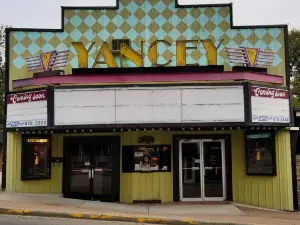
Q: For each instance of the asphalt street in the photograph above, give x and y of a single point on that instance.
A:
(26, 220)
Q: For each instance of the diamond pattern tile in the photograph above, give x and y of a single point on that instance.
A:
(147, 21)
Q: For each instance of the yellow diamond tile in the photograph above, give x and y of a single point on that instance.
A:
(139, 13)
(153, 13)
(83, 14)
(69, 14)
(139, 27)
(167, 13)
(210, 26)
(239, 39)
(126, 2)
(96, 14)
(111, 27)
(151, 40)
(181, 13)
(26, 53)
(169, 39)
(224, 26)
(153, 27)
(54, 42)
(253, 39)
(195, 13)
(125, 13)
(83, 28)
(195, 26)
(26, 42)
(125, 27)
(167, 54)
(97, 27)
(40, 41)
(209, 12)
(195, 54)
(181, 27)
(224, 12)
(153, 2)
(226, 39)
(267, 39)
(167, 27)
(69, 27)
(111, 14)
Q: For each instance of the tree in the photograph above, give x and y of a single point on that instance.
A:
(294, 58)
(2, 72)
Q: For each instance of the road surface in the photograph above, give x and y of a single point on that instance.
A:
(26, 220)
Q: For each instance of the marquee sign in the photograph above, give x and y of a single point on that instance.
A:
(251, 57)
(269, 105)
(47, 61)
(27, 109)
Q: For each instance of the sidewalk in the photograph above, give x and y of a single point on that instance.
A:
(175, 213)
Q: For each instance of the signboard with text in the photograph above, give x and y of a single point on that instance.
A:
(27, 109)
(269, 105)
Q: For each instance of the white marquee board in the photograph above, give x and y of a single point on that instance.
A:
(149, 105)
(27, 109)
(269, 105)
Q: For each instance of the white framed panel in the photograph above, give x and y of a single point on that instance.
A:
(27, 109)
(269, 105)
(148, 105)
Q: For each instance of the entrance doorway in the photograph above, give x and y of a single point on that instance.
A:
(202, 170)
(92, 167)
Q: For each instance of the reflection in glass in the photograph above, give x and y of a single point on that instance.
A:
(190, 157)
(213, 177)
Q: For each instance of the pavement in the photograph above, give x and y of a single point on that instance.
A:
(173, 213)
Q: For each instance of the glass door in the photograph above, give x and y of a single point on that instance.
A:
(213, 171)
(202, 171)
(80, 182)
(92, 167)
(102, 170)
(190, 170)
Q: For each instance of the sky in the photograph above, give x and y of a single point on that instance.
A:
(46, 14)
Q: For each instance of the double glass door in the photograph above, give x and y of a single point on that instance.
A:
(91, 168)
(202, 170)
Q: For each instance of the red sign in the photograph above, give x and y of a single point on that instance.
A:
(269, 92)
(27, 97)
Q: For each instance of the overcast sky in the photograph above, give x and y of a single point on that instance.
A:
(46, 14)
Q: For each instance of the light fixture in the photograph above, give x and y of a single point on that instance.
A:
(168, 129)
(199, 128)
(67, 131)
(192, 128)
(114, 130)
(91, 130)
(215, 128)
(82, 130)
(75, 131)
(122, 130)
(129, 129)
(137, 129)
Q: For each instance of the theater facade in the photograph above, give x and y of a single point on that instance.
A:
(150, 101)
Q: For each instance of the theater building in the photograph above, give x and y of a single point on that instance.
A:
(150, 101)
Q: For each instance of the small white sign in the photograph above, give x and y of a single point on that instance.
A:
(87, 163)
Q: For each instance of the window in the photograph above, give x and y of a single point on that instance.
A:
(146, 158)
(36, 158)
(260, 153)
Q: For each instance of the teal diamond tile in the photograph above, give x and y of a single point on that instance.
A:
(146, 6)
(62, 36)
(217, 33)
(189, 19)
(118, 20)
(89, 35)
(260, 44)
(275, 45)
(90, 20)
(104, 20)
(118, 34)
(203, 19)
(245, 33)
(217, 19)
(146, 21)
(76, 21)
(132, 34)
(47, 47)
(103, 34)
(160, 20)
(174, 20)
(33, 35)
(33, 48)
(19, 62)
(61, 47)
(274, 32)
(76, 35)
(160, 6)
(19, 48)
(47, 35)
(19, 35)
(260, 32)
(132, 7)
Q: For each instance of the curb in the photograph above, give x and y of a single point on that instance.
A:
(109, 217)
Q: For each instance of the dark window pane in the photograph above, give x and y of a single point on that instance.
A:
(36, 157)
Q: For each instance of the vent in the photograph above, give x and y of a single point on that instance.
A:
(116, 43)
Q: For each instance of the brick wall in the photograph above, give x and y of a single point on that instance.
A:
(298, 176)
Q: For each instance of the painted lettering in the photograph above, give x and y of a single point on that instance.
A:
(131, 54)
(211, 51)
(82, 53)
(181, 49)
(268, 92)
(152, 53)
(107, 55)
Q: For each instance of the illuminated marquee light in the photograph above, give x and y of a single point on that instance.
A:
(251, 57)
(47, 61)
